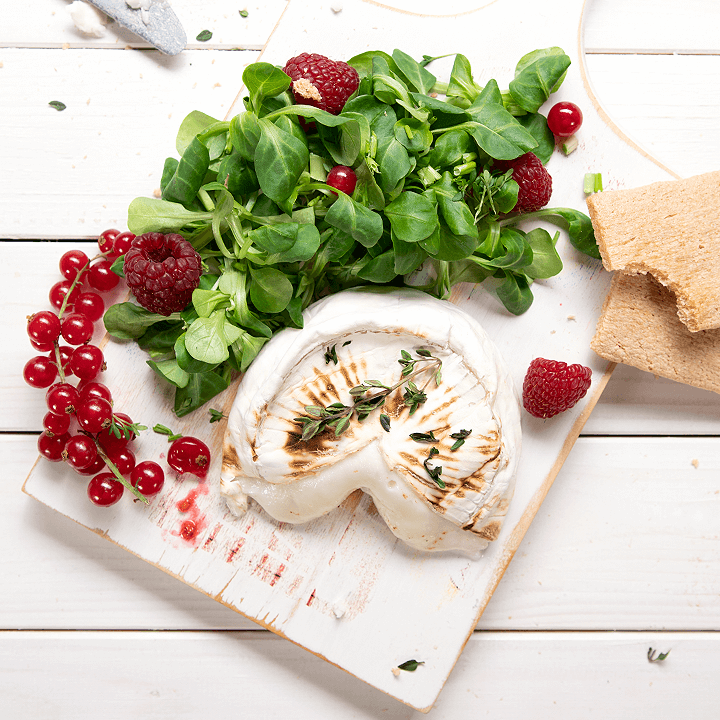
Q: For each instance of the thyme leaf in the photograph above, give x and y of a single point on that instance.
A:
(385, 422)
(423, 437)
(434, 472)
(459, 438)
(410, 665)
(653, 658)
(215, 415)
(331, 356)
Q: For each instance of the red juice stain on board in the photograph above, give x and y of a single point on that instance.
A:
(190, 528)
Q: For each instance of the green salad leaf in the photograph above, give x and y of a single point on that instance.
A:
(431, 206)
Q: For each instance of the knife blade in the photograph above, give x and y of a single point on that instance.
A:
(152, 21)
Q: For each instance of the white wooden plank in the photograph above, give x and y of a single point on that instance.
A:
(47, 23)
(171, 676)
(90, 160)
(652, 26)
(588, 561)
(638, 403)
(669, 105)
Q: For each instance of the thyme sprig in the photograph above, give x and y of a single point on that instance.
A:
(337, 416)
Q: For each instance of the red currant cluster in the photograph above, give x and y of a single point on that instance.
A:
(81, 427)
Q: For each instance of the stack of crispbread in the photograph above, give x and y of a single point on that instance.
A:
(662, 313)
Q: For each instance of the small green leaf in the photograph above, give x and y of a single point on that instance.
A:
(204, 36)
(59, 106)
(410, 665)
(215, 415)
(270, 289)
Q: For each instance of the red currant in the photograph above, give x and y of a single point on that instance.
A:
(564, 119)
(94, 415)
(189, 455)
(104, 490)
(72, 262)
(90, 304)
(106, 241)
(80, 452)
(42, 347)
(56, 424)
(95, 467)
(101, 277)
(76, 328)
(65, 353)
(62, 399)
(87, 361)
(58, 292)
(122, 243)
(52, 446)
(123, 458)
(44, 327)
(343, 178)
(93, 389)
(148, 477)
(40, 372)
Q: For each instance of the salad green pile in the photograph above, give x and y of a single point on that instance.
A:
(428, 210)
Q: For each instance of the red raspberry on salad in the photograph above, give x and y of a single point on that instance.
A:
(551, 387)
(533, 180)
(321, 82)
(162, 271)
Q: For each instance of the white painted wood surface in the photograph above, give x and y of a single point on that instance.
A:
(651, 565)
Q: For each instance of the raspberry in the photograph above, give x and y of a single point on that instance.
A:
(321, 82)
(551, 387)
(162, 271)
(533, 180)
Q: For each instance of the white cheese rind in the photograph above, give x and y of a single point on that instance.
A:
(297, 481)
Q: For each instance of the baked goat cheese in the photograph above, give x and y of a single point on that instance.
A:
(431, 496)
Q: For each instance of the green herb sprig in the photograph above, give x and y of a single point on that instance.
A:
(337, 416)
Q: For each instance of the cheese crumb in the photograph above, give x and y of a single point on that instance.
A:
(87, 19)
(306, 89)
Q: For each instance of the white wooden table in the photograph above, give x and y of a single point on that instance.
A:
(624, 554)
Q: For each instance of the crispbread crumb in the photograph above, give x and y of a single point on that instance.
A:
(663, 346)
(695, 463)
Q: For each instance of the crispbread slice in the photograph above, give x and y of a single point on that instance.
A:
(639, 327)
(672, 231)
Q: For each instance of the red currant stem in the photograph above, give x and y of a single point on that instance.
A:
(58, 360)
(75, 282)
(118, 474)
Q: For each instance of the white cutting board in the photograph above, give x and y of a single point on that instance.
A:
(342, 586)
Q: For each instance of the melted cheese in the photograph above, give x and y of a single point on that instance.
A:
(296, 480)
